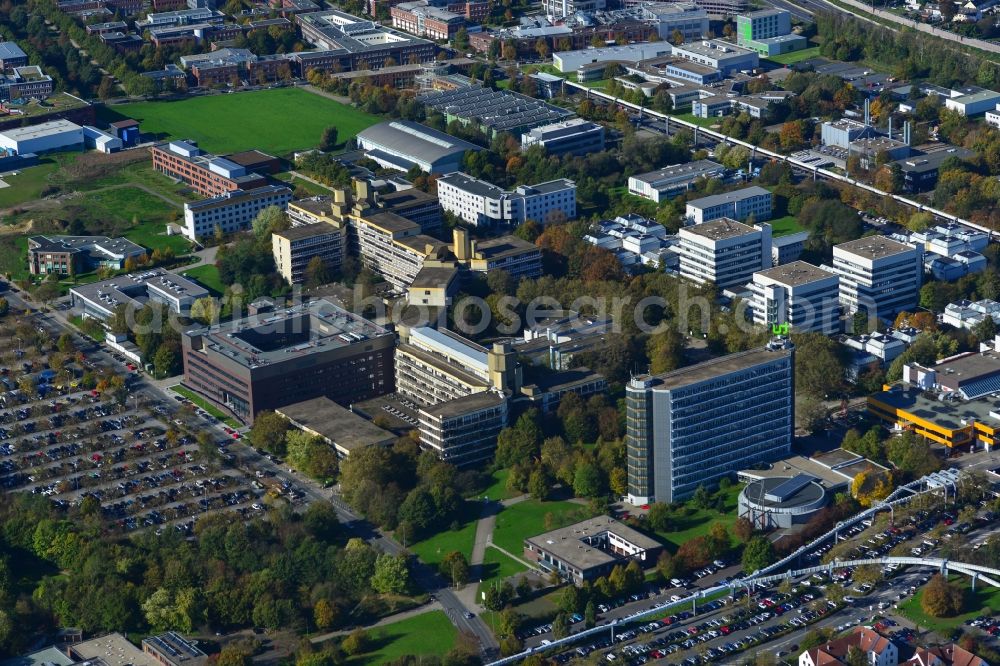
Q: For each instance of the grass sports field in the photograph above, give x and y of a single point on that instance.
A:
(427, 634)
(260, 119)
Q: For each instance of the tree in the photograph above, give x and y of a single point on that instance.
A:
(985, 330)
(328, 141)
(316, 272)
(358, 642)
(590, 615)
(205, 310)
(269, 220)
(461, 39)
(392, 574)
(324, 615)
(268, 432)
(757, 554)
(658, 517)
(455, 568)
(560, 626)
(587, 480)
(539, 483)
(856, 657)
(677, 37)
(920, 221)
(743, 529)
(167, 359)
(941, 598)
(235, 654)
(819, 368)
(666, 566)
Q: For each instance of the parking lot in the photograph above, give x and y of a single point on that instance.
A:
(143, 459)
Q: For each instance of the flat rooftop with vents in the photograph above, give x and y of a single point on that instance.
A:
(721, 229)
(339, 426)
(289, 333)
(796, 273)
(874, 247)
(591, 548)
(99, 299)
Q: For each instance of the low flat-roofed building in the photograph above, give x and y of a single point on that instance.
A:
(947, 421)
(483, 204)
(664, 183)
(574, 137)
(344, 430)
(737, 205)
(11, 56)
(42, 138)
(920, 172)
(787, 248)
(590, 549)
(50, 656)
(172, 649)
(975, 103)
(549, 389)
(509, 253)
(65, 255)
(99, 299)
(113, 650)
(725, 57)
(358, 43)
(402, 144)
(571, 61)
(493, 111)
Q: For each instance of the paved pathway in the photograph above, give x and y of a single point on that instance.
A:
(388, 619)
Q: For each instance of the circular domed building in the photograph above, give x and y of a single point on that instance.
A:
(781, 502)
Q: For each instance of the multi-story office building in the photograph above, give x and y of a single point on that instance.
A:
(508, 253)
(462, 390)
(669, 181)
(393, 246)
(181, 17)
(232, 211)
(291, 355)
(878, 275)
(24, 83)
(737, 205)
(573, 137)
(350, 43)
(724, 252)
(207, 175)
(803, 296)
(483, 204)
(464, 431)
(694, 426)
(73, 255)
(422, 19)
(295, 248)
(687, 18)
(768, 32)
(557, 9)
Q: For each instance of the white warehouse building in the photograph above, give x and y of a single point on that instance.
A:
(483, 204)
(43, 138)
(720, 55)
(402, 144)
(570, 61)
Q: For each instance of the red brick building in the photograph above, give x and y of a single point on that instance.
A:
(207, 175)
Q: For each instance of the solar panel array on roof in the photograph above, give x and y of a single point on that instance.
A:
(500, 110)
(788, 489)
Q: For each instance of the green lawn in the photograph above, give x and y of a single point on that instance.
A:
(433, 549)
(784, 226)
(498, 489)
(795, 56)
(243, 121)
(524, 519)
(496, 568)
(207, 276)
(696, 522)
(427, 634)
(28, 184)
(984, 596)
(205, 404)
(312, 188)
(14, 257)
